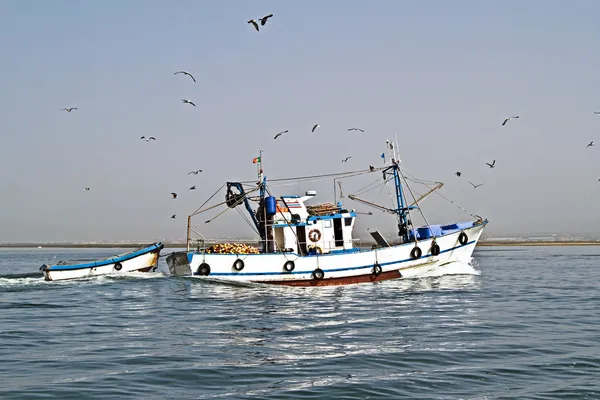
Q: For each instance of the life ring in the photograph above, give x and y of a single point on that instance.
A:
(416, 253)
(377, 269)
(435, 248)
(316, 249)
(314, 235)
(238, 264)
(203, 269)
(463, 238)
(289, 266)
(118, 266)
(318, 274)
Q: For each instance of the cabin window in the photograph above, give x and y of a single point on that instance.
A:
(347, 221)
(327, 223)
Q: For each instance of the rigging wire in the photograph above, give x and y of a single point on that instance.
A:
(446, 198)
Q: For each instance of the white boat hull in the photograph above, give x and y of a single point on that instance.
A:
(142, 260)
(337, 268)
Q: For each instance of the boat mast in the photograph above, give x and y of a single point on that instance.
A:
(262, 181)
(401, 210)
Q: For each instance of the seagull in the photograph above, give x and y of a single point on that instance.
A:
(597, 112)
(280, 133)
(193, 188)
(173, 216)
(173, 195)
(346, 159)
(590, 144)
(188, 102)
(355, 129)
(474, 185)
(148, 138)
(86, 189)
(195, 172)
(508, 119)
(68, 109)
(458, 173)
(185, 73)
(262, 20)
(315, 127)
(492, 165)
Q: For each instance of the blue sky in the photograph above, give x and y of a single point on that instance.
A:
(441, 75)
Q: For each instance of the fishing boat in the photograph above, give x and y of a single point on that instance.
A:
(142, 260)
(300, 244)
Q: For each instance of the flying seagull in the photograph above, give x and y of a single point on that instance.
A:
(193, 188)
(356, 129)
(68, 109)
(315, 127)
(458, 173)
(86, 189)
(185, 73)
(474, 185)
(148, 138)
(173, 216)
(346, 159)
(590, 144)
(262, 20)
(195, 172)
(508, 119)
(188, 102)
(597, 112)
(492, 165)
(173, 195)
(280, 133)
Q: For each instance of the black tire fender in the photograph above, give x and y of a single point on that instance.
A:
(377, 270)
(238, 264)
(318, 274)
(118, 266)
(289, 266)
(435, 249)
(463, 238)
(416, 253)
(203, 269)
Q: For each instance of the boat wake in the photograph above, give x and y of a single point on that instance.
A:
(453, 268)
(34, 279)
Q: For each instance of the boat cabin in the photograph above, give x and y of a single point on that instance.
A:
(315, 229)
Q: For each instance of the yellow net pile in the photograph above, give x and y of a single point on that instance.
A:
(322, 209)
(232, 248)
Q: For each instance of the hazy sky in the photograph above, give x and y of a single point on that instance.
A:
(442, 75)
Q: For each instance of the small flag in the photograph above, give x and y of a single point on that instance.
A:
(382, 155)
(256, 160)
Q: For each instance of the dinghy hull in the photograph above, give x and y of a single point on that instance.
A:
(141, 260)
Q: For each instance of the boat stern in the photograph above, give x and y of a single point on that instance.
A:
(179, 263)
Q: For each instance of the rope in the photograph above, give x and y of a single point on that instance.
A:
(311, 177)
(199, 211)
(417, 203)
(214, 194)
(439, 193)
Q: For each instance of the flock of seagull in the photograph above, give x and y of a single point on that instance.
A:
(148, 139)
(493, 163)
(262, 21)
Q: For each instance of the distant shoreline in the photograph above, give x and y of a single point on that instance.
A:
(498, 243)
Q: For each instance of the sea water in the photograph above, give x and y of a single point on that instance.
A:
(516, 323)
